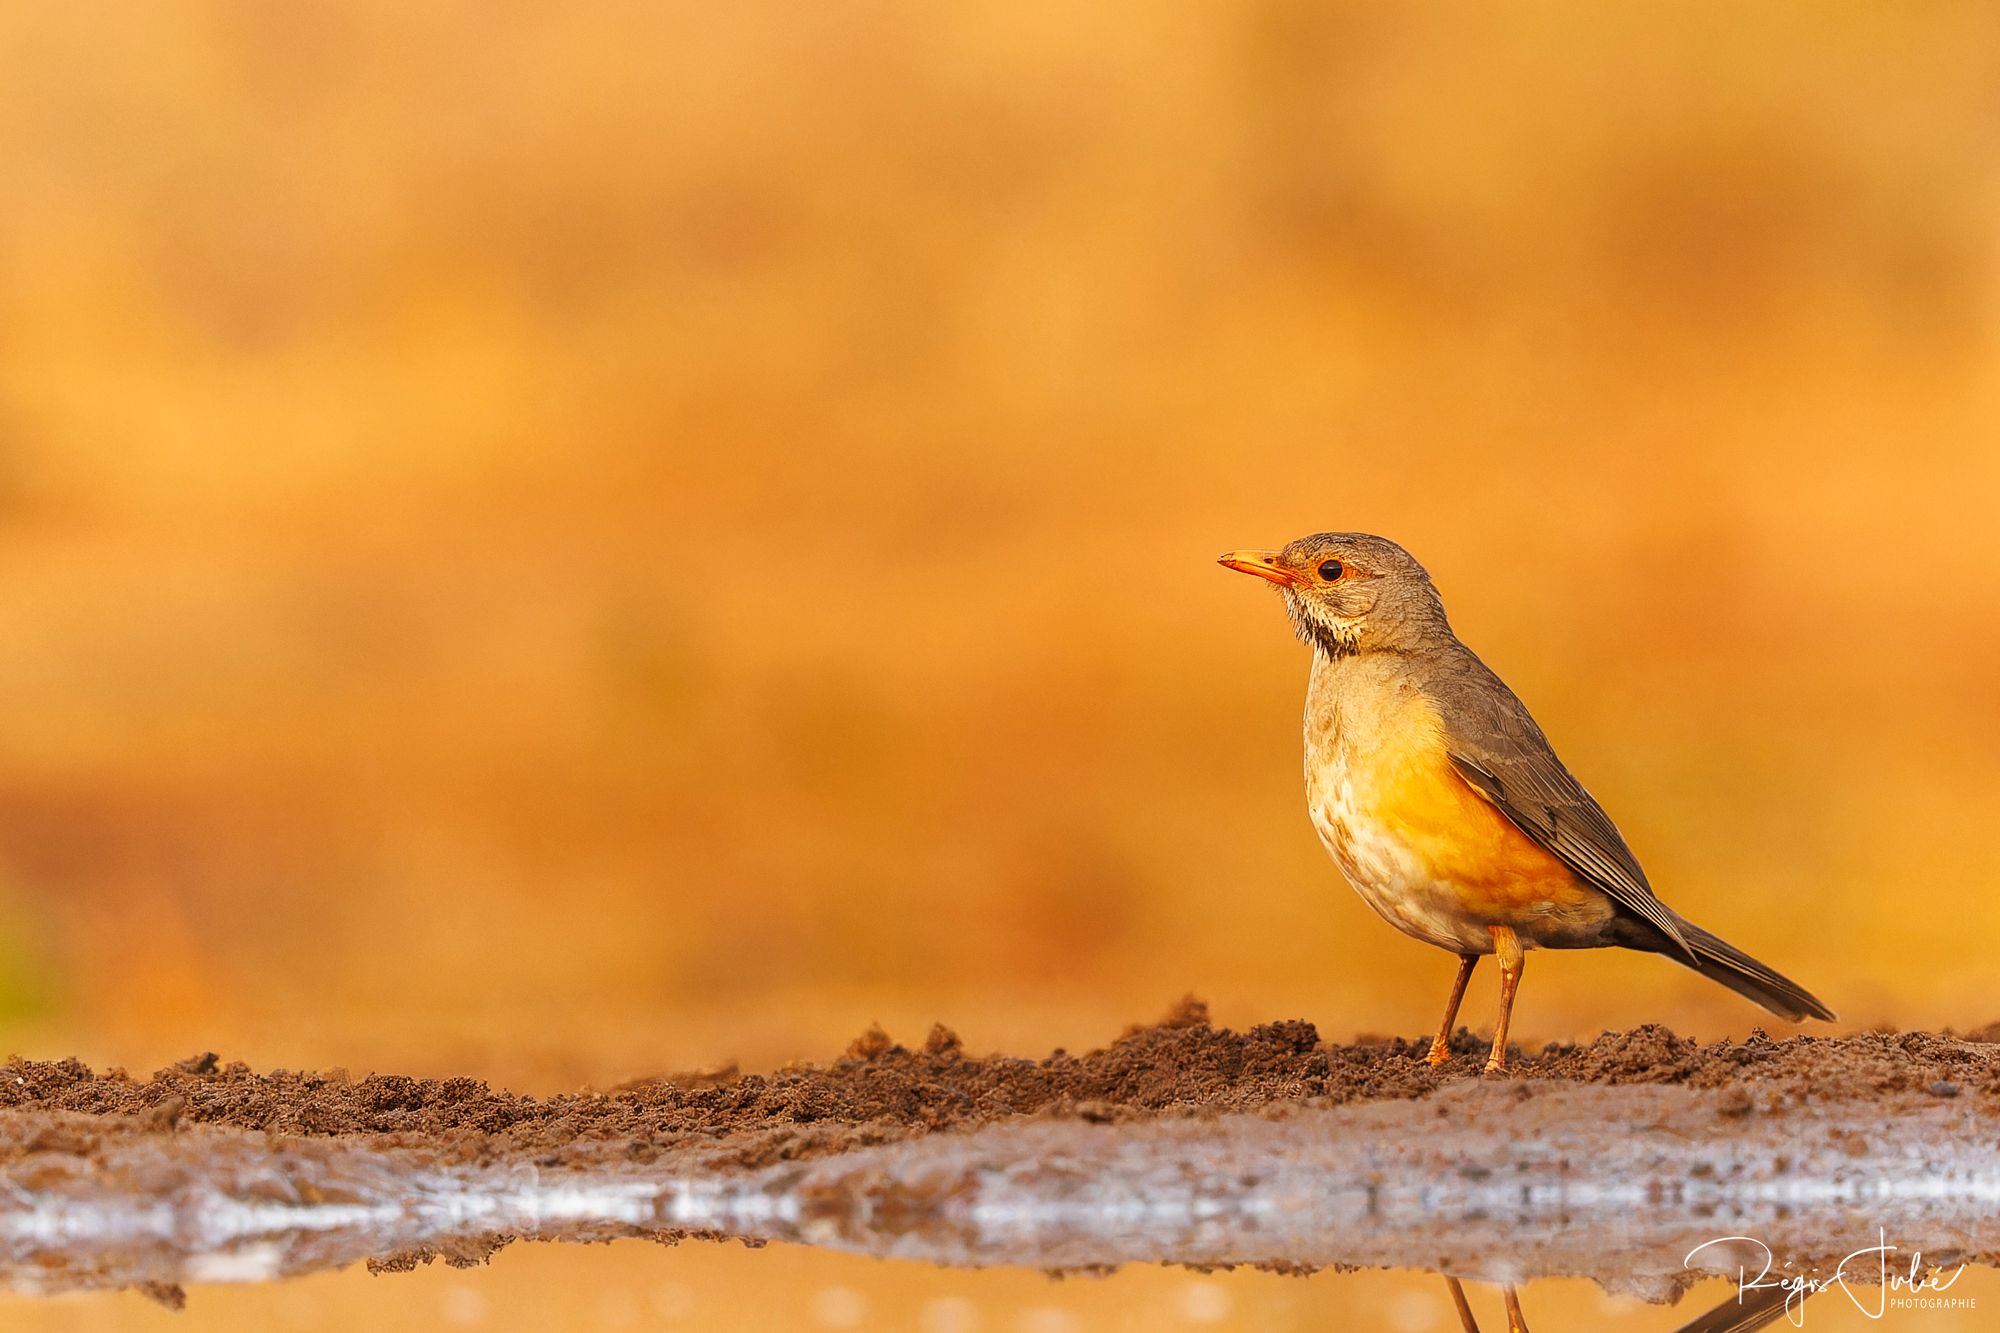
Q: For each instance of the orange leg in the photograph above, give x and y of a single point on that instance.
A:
(1507, 948)
(1441, 1044)
(1516, 1321)
(1465, 1319)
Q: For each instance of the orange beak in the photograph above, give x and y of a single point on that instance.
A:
(1264, 564)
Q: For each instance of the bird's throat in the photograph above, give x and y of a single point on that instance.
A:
(1335, 640)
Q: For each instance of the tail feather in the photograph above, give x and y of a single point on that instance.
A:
(1747, 1311)
(1720, 961)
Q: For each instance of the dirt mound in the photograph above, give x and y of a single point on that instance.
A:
(880, 1090)
(144, 1182)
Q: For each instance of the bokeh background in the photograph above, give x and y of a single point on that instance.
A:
(557, 542)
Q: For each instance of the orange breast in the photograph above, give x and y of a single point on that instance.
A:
(1408, 785)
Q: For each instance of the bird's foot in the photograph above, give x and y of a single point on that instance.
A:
(1496, 1063)
(1440, 1052)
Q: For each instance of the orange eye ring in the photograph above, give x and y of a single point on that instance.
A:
(1331, 570)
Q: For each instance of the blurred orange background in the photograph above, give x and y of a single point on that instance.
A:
(570, 543)
(558, 542)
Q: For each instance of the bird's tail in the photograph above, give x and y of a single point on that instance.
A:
(1748, 1311)
(1718, 960)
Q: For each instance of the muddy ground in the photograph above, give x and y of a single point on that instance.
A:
(881, 1090)
(215, 1143)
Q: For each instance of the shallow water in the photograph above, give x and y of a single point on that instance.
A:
(1502, 1184)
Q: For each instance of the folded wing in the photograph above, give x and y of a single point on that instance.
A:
(1503, 755)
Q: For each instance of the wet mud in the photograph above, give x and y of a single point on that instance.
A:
(1178, 1142)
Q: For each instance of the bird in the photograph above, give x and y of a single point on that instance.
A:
(1443, 803)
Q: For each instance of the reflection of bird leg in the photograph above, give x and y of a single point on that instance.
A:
(1516, 1321)
(1441, 1044)
(1451, 1284)
(1507, 947)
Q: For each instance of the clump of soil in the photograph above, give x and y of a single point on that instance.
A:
(881, 1090)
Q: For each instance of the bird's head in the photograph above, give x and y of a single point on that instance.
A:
(1350, 592)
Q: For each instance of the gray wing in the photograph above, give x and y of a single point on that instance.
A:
(1497, 748)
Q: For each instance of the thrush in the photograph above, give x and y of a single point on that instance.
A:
(1443, 803)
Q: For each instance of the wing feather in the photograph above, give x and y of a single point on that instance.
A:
(1503, 755)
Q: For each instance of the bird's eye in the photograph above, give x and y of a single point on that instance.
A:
(1331, 570)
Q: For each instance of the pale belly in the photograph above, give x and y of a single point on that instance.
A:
(1447, 868)
(1386, 871)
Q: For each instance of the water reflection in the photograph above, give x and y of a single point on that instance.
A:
(1465, 1193)
(1741, 1313)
